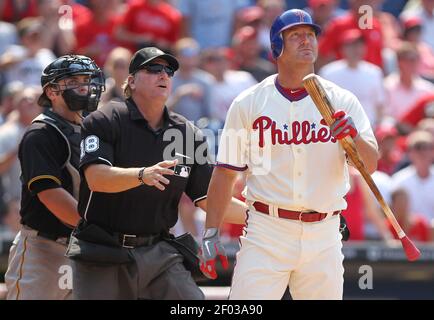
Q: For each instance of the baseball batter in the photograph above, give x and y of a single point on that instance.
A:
(297, 175)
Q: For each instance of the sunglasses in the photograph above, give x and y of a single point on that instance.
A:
(423, 147)
(158, 68)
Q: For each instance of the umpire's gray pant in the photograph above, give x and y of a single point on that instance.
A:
(156, 273)
(38, 268)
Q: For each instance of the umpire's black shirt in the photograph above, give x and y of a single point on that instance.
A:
(118, 135)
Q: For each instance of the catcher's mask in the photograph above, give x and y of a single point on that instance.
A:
(68, 66)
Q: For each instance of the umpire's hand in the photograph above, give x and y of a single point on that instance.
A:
(154, 176)
(211, 249)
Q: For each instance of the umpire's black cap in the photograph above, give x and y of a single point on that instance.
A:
(146, 55)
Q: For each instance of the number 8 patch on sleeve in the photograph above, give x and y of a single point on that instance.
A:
(89, 144)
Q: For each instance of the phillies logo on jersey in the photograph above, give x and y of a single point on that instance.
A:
(302, 132)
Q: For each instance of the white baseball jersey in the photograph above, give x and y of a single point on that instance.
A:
(293, 162)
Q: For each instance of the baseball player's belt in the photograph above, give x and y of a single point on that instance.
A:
(53, 237)
(311, 216)
(131, 241)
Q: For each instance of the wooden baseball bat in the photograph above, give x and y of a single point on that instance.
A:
(322, 102)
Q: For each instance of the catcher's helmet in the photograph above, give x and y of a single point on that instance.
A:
(286, 20)
(70, 65)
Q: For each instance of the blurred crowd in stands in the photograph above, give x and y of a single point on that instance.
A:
(386, 59)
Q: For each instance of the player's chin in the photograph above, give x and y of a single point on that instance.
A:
(307, 56)
(163, 93)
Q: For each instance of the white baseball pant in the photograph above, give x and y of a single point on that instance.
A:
(276, 253)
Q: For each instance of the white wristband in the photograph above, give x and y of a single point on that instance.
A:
(210, 232)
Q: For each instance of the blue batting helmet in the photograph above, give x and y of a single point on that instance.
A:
(286, 20)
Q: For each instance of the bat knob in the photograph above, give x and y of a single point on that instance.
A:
(410, 249)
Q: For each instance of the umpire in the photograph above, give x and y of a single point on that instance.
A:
(49, 157)
(137, 159)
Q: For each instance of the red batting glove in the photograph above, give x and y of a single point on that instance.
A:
(211, 249)
(343, 126)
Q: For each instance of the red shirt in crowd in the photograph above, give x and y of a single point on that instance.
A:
(162, 20)
(418, 111)
(390, 164)
(99, 35)
(80, 14)
(9, 12)
(354, 212)
(419, 229)
(329, 41)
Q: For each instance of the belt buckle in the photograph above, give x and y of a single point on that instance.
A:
(300, 217)
(124, 237)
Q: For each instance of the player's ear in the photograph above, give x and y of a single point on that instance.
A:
(131, 79)
(52, 91)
